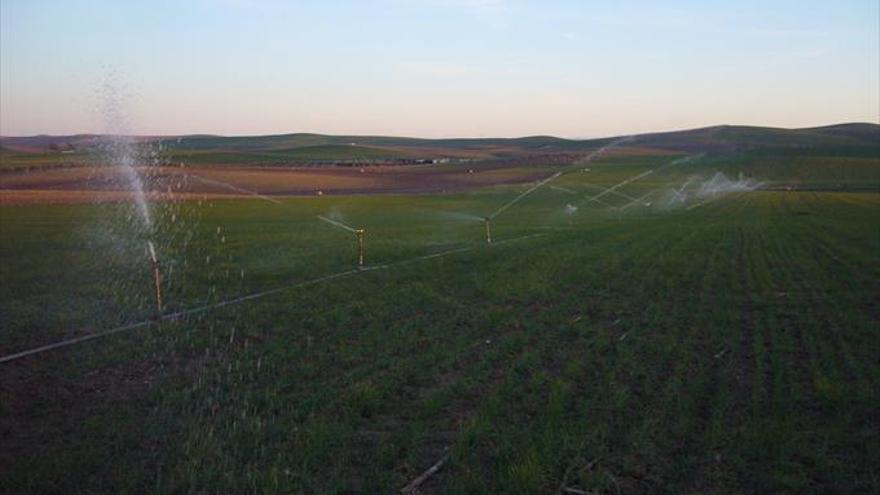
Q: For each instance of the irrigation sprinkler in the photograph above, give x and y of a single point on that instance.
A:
(174, 316)
(488, 223)
(360, 233)
(157, 277)
(614, 189)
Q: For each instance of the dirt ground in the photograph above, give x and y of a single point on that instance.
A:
(90, 184)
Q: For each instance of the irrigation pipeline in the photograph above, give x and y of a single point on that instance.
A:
(69, 342)
(179, 314)
(238, 300)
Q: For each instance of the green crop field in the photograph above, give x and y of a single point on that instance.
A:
(10, 160)
(318, 152)
(633, 345)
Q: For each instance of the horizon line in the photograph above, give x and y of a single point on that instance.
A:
(401, 136)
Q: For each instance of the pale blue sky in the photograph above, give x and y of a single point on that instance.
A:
(437, 67)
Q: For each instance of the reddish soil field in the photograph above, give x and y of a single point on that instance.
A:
(88, 184)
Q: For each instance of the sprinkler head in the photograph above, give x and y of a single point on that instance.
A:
(488, 225)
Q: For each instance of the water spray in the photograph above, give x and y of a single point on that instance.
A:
(639, 201)
(360, 234)
(157, 276)
(178, 315)
(233, 187)
(487, 222)
(538, 185)
(613, 189)
(523, 195)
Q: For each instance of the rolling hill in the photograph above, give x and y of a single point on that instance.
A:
(852, 138)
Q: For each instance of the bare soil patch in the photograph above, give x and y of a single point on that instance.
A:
(90, 184)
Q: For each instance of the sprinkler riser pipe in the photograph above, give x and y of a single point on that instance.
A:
(488, 225)
(360, 245)
(157, 275)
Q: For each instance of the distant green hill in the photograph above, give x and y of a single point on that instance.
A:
(717, 138)
(285, 141)
(737, 138)
(317, 152)
(861, 139)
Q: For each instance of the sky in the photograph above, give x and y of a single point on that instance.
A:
(434, 68)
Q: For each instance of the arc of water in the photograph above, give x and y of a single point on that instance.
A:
(608, 191)
(534, 188)
(242, 299)
(638, 200)
(234, 188)
(597, 200)
(680, 190)
(523, 195)
(601, 151)
(618, 186)
(642, 175)
(338, 224)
